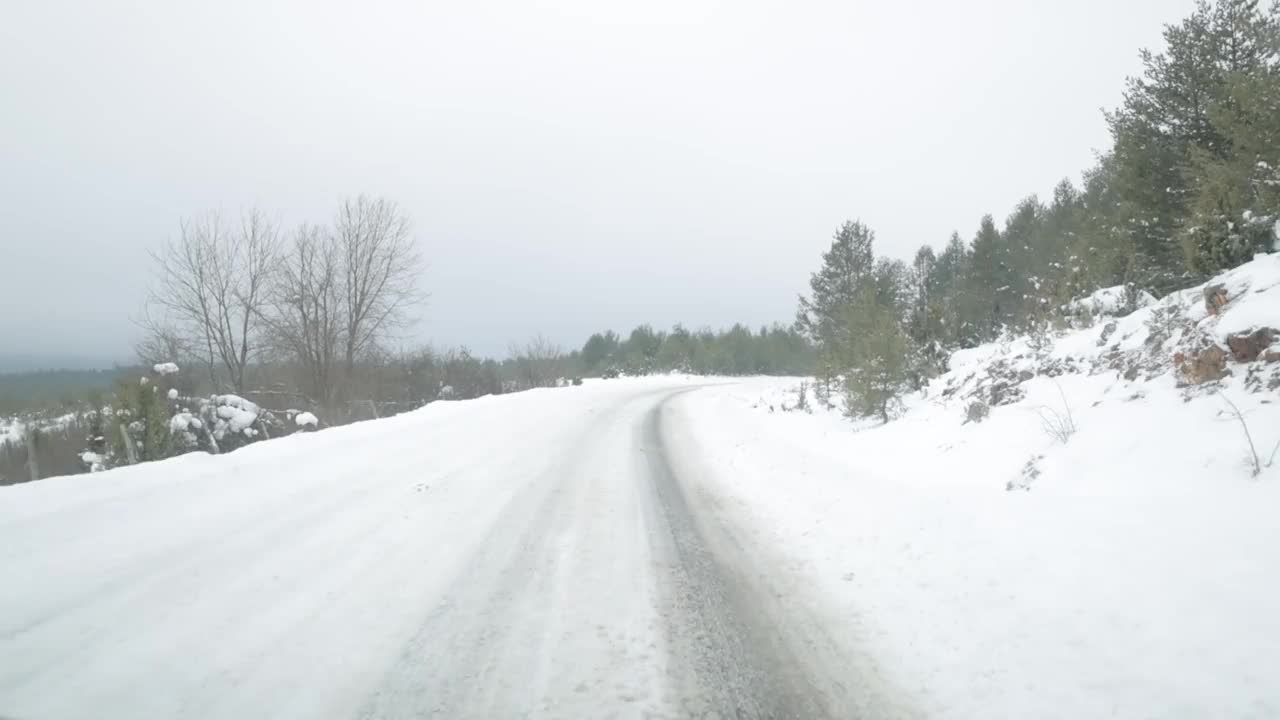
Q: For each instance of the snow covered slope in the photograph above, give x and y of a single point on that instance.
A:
(996, 571)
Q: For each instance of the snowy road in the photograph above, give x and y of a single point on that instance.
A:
(538, 555)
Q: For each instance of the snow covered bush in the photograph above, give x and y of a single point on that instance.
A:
(802, 397)
(1058, 423)
(165, 369)
(97, 454)
(151, 420)
(221, 423)
(1108, 302)
(143, 411)
(93, 462)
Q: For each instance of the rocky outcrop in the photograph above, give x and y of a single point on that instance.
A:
(1248, 347)
(1215, 297)
(976, 412)
(1201, 366)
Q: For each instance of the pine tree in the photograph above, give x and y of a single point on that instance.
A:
(144, 413)
(640, 351)
(598, 351)
(923, 323)
(986, 298)
(1056, 236)
(1169, 151)
(1024, 263)
(1104, 252)
(949, 285)
(847, 267)
(1237, 198)
(876, 357)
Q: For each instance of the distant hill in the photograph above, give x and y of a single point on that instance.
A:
(52, 389)
(29, 362)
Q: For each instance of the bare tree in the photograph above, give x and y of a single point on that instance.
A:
(306, 302)
(539, 363)
(165, 343)
(210, 291)
(340, 293)
(379, 273)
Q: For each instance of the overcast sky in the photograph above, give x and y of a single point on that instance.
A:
(568, 166)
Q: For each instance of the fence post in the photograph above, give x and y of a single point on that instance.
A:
(374, 407)
(128, 445)
(33, 464)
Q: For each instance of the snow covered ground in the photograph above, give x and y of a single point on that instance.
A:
(994, 570)
(1136, 579)
(672, 547)
(527, 555)
(14, 429)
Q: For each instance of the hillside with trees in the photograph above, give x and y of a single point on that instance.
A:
(1189, 188)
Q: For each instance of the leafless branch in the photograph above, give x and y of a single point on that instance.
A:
(1239, 416)
(539, 363)
(209, 292)
(1060, 425)
(339, 294)
(380, 268)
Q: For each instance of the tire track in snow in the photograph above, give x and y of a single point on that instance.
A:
(729, 660)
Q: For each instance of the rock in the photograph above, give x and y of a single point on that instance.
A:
(1107, 331)
(1203, 366)
(1025, 375)
(1006, 392)
(1271, 356)
(1247, 347)
(1215, 297)
(1057, 367)
(1259, 377)
(1132, 373)
(976, 412)
(1029, 473)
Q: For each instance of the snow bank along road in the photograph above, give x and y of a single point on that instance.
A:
(536, 555)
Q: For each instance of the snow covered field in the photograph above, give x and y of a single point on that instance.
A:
(673, 546)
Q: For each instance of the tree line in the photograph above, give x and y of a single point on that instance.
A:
(1190, 187)
(773, 350)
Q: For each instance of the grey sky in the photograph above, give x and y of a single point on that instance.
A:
(568, 166)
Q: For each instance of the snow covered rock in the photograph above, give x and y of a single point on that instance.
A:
(165, 368)
(1202, 366)
(234, 415)
(1215, 296)
(1248, 347)
(976, 412)
(1110, 302)
(306, 421)
(1194, 336)
(186, 429)
(95, 462)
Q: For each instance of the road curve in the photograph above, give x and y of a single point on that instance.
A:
(522, 557)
